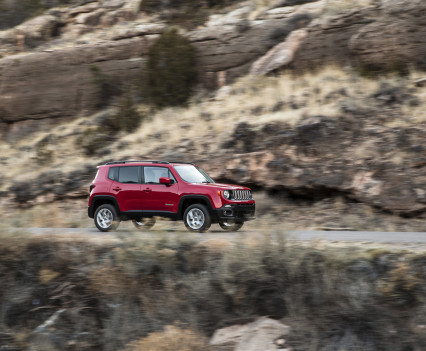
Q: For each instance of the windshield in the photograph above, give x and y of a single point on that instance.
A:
(193, 174)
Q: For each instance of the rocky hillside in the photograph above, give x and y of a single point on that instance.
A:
(45, 68)
(354, 129)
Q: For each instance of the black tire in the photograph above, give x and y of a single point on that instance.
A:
(231, 226)
(197, 218)
(106, 218)
(144, 223)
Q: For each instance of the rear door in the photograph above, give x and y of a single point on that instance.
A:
(126, 187)
(156, 196)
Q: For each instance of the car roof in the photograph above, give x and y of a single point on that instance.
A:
(146, 162)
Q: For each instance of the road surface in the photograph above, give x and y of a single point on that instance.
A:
(302, 235)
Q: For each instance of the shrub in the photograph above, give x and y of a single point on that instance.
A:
(169, 71)
(44, 155)
(92, 140)
(127, 118)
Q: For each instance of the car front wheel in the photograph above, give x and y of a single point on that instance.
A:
(106, 218)
(231, 226)
(197, 218)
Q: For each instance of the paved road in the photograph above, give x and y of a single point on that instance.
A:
(303, 235)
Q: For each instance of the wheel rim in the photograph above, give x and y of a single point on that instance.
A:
(195, 218)
(227, 224)
(105, 218)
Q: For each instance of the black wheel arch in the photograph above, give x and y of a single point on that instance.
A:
(188, 200)
(99, 200)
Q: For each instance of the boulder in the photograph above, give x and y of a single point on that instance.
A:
(390, 44)
(60, 83)
(327, 39)
(36, 30)
(281, 55)
(261, 334)
(227, 52)
(391, 36)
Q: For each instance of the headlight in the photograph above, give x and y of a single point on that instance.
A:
(226, 194)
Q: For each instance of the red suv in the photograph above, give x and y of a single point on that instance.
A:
(142, 190)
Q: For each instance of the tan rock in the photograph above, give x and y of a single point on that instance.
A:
(90, 18)
(389, 37)
(259, 335)
(279, 56)
(59, 83)
(39, 28)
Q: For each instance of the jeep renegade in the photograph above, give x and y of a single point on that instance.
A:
(142, 190)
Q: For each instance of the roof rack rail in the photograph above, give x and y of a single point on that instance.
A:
(131, 161)
(186, 163)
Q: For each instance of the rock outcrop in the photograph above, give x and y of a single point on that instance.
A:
(59, 83)
(330, 156)
(389, 36)
(54, 80)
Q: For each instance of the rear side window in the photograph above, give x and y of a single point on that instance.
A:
(128, 175)
(113, 173)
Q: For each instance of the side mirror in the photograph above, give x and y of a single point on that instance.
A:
(165, 180)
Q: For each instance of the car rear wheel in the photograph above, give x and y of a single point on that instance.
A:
(197, 218)
(106, 218)
(231, 226)
(144, 223)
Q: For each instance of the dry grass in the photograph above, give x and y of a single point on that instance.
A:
(172, 338)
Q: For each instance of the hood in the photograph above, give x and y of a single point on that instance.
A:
(225, 186)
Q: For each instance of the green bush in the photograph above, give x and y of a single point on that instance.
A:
(127, 118)
(169, 74)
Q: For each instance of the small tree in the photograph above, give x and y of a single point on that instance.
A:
(127, 117)
(169, 73)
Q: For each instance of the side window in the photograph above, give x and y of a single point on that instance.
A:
(113, 173)
(128, 175)
(152, 175)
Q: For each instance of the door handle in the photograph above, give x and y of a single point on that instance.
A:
(116, 189)
(147, 190)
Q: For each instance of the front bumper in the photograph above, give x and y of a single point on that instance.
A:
(236, 212)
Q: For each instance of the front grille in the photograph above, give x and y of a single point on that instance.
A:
(242, 195)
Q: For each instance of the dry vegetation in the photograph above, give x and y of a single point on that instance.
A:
(285, 98)
(201, 129)
(171, 292)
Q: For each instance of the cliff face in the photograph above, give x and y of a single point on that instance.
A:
(45, 71)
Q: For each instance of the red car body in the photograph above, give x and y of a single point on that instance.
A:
(143, 189)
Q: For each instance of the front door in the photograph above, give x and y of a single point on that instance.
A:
(156, 196)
